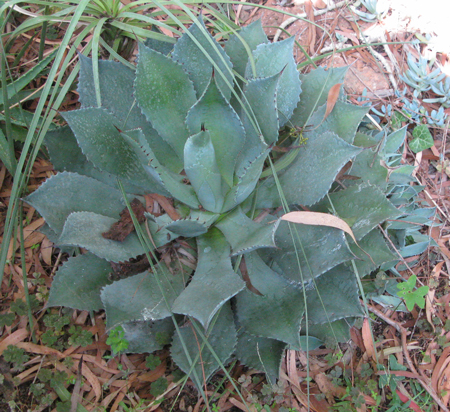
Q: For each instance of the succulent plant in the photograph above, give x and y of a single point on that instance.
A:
(418, 74)
(377, 10)
(227, 139)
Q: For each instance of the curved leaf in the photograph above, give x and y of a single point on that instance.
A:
(101, 142)
(272, 58)
(317, 249)
(245, 235)
(214, 281)
(147, 336)
(214, 113)
(253, 35)
(315, 88)
(140, 297)
(165, 94)
(263, 354)
(363, 207)
(221, 336)
(311, 174)
(261, 96)
(66, 155)
(278, 313)
(203, 172)
(84, 229)
(196, 62)
(78, 282)
(333, 296)
(59, 196)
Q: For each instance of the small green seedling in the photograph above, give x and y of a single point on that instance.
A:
(411, 296)
(116, 340)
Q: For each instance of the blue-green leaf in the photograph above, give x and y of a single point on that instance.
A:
(315, 87)
(333, 296)
(272, 58)
(261, 96)
(203, 172)
(278, 312)
(196, 62)
(165, 94)
(221, 336)
(317, 249)
(59, 196)
(263, 354)
(196, 224)
(224, 126)
(247, 178)
(245, 235)
(253, 35)
(101, 142)
(147, 336)
(362, 206)
(214, 281)
(311, 174)
(84, 229)
(343, 120)
(78, 282)
(144, 297)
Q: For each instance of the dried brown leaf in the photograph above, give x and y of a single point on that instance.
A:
(332, 98)
(367, 339)
(318, 219)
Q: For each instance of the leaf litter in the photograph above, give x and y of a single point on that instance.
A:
(413, 349)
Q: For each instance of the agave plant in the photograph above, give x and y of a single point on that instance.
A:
(228, 138)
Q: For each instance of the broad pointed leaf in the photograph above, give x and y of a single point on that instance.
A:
(165, 94)
(278, 313)
(344, 120)
(363, 207)
(59, 196)
(84, 229)
(240, 45)
(263, 354)
(163, 47)
(333, 296)
(374, 244)
(158, 229)
(311, 174)
(247, 178)
(148, 336)
(272, 58)
(395, 140)
(214, 281)
(144, 297)
(196, 224)
(203, 172)
(332, 333)
(245, 235)
(78, 282)
(221, 336)
(66, 155)
(315, 87)
(317, 249)
(172, 182)
(117, 80)
(214, 113)
(261, 96)
(369, 168)
(197, 62)
(97, 134)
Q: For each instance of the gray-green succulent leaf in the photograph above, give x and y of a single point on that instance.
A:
(223, 276)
